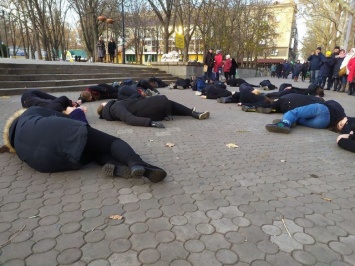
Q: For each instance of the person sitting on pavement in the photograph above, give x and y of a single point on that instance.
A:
(318, 115)
(98, 92)
(65, 141)
(146, 112)
(34, 97)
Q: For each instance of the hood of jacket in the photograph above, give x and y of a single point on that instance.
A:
(6, 132)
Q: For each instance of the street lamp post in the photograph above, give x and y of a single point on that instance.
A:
(123, 35)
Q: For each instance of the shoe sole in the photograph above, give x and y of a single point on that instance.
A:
(263, 110)
(204, 115)
(276, 129)
(116, 171)
(155, 175)
(137, 172)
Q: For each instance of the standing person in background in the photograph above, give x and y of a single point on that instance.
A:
(297, 68)
(305, 67)
(273, 70)
(218, 64)
(101, 51)
(227, 67)
(339, 81)
(209, 62)
(112, 50)
(286, 69)
(233, 72)
(279, 70)
(314, 64)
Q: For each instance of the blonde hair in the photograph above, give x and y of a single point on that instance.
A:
(256, 92)
(86, 96)
(99, 109)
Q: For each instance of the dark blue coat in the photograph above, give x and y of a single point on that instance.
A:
(315, 61)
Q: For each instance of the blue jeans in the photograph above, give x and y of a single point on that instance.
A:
(314, 76)
(314, 115)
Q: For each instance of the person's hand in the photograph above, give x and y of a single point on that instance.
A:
(79, 102)
(83, 108)
(157, 124)
(69, 110)
(342, 136)
(203, 97)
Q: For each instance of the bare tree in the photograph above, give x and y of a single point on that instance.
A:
(165, 11)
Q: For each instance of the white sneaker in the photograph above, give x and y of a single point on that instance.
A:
(198, 93)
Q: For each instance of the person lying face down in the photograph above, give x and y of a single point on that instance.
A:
(285, 103)
(64, 142)
(98, 92)
(146, 111)
(329, 114)
(34, 97)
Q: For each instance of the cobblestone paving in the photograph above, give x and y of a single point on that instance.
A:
(275, 200)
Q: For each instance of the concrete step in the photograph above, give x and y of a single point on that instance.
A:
(15, 78)
(36, 77)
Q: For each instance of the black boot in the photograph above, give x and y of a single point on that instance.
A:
(115, 169)
(200, 115)
(350, 91)
(154, 173)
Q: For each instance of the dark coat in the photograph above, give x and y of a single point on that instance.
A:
(209, 59)
(315, 61)
(139, 111)
(234, 67)
(326, 67)
(294, 100)
(337, 65)
(47, 140)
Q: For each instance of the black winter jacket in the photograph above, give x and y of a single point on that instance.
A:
(138, 111)
(47, 140)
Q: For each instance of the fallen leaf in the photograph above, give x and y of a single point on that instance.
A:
(232, 145)
(314, 176)
(283, 161)
(116, 217)
(169, 144)
(327, 199)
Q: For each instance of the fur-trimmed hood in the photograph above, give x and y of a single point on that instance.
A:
(6, 132)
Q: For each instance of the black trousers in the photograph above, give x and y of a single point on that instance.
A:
(33, 97)
(105, 148)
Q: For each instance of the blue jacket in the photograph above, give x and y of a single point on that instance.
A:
(315, 61)
(326, 67)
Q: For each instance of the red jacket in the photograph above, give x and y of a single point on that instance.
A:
(218, 62)
(227, 65)
(351, 68)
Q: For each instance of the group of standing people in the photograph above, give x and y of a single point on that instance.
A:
(101, 49)
(334, 70)
(215, 65)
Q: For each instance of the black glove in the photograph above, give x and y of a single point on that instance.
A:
(156, 124)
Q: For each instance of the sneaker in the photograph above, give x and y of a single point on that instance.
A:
(200, 115)
(219, 100)
(279, 127)
(263, 110)
(248, 109)
(116, 170)
(180, 88)
(171, 86)
(198, 93)
(275, 121)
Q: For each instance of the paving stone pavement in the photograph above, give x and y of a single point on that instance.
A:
(275, 200)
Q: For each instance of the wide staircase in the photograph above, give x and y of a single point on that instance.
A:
(15, 78)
